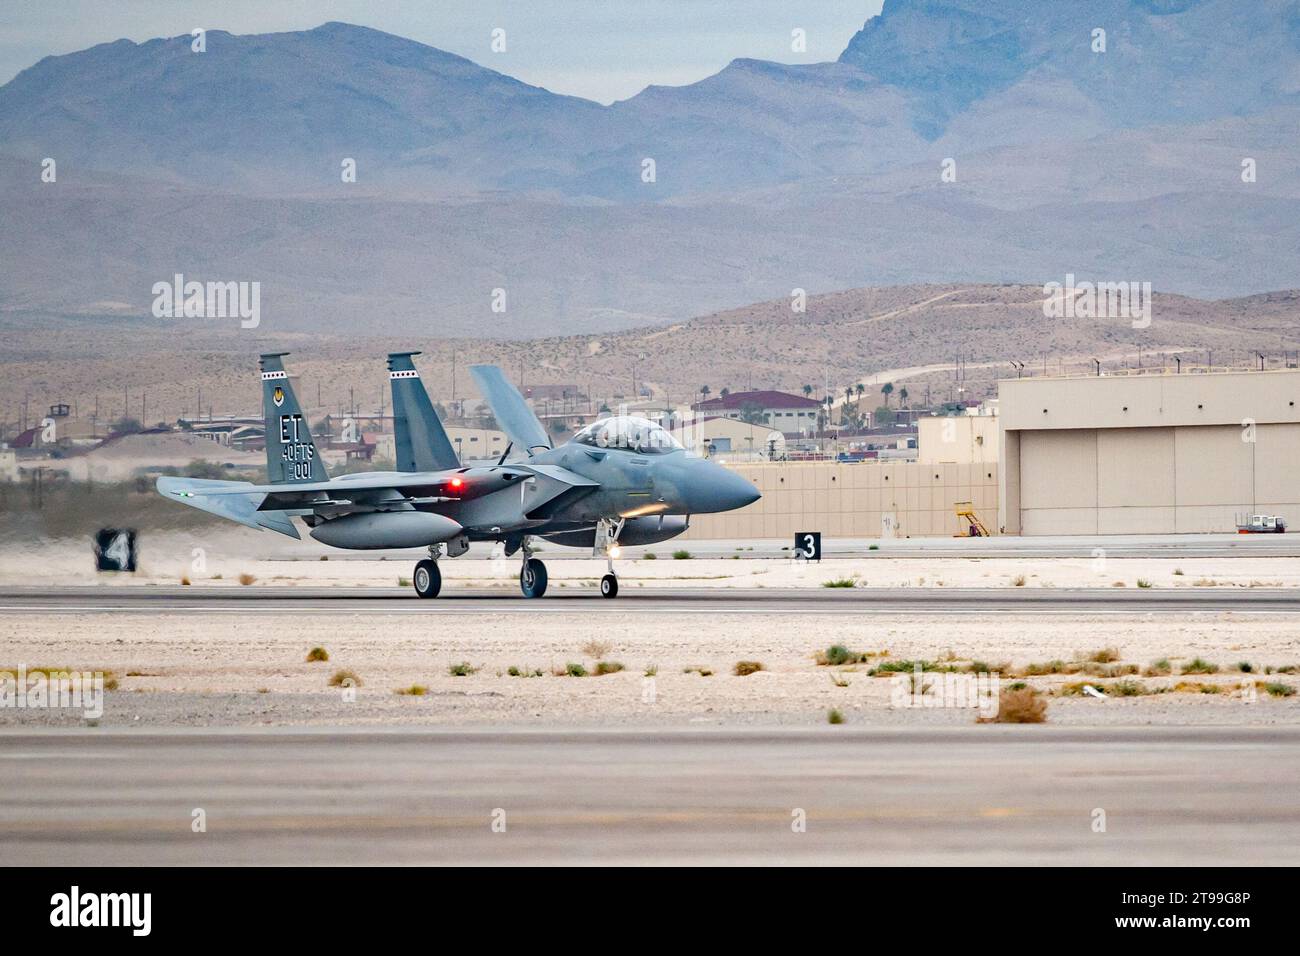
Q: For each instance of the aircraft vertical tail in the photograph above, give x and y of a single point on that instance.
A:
(511, 411)
(420, 440)
(291, 454)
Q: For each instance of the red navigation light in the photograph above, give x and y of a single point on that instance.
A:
(456, 483)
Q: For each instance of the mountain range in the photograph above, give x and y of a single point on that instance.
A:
(1116, 156)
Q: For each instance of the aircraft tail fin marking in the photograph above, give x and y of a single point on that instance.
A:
(291, 453)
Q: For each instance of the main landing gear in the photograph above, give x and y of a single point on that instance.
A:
(532, 576)
(427, 578)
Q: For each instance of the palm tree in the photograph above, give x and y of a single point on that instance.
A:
(704, 393)
(725, 391)
(807, 391)
(887, 389)
(902, 395)
(859, 388)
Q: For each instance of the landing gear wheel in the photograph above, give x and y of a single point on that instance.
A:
(427, 579)
(532, 579)
(609, 586)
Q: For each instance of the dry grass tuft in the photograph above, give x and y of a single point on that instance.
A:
(317, 655)
(1022, 705)
(745, 668)
(1195, 687)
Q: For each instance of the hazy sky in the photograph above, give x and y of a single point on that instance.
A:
(601, 49)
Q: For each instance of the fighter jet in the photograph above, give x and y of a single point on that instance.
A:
(619, 481)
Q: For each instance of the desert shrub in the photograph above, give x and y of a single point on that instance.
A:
(1022, 706)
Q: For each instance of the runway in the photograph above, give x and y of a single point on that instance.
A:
(971, 795)
(1180, 546)
(654, 600)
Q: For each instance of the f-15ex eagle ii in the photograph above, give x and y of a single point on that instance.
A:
(619, 481)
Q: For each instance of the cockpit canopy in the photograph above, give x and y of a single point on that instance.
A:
(629, 433)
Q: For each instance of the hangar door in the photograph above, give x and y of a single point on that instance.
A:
(1098, 481)
(1185, 479)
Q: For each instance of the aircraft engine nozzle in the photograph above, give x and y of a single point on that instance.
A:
(386, 529)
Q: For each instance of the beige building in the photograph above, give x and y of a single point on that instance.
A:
(957, 439)
(864, 500)
(473, 443)
(1148, 453)
(469, 443)
(730, 438)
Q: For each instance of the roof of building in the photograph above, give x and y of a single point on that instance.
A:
(763, 399)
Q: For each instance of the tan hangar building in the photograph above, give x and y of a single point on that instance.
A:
(1148, 453)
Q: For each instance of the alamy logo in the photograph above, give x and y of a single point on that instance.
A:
(179, 299)
(981, 691)
(53, 689)
(102, 909)
(1098, 300)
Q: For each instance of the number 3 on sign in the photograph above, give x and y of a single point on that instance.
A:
(808, 545)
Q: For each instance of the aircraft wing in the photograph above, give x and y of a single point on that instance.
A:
(369, 489)
(236, 500)
(360, 482)
(512, 412)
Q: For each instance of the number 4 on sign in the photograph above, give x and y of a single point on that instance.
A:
(120, 550)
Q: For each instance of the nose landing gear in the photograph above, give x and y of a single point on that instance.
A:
(607, 532)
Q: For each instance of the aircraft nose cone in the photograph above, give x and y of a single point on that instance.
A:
(742, 492)
(722, 490)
